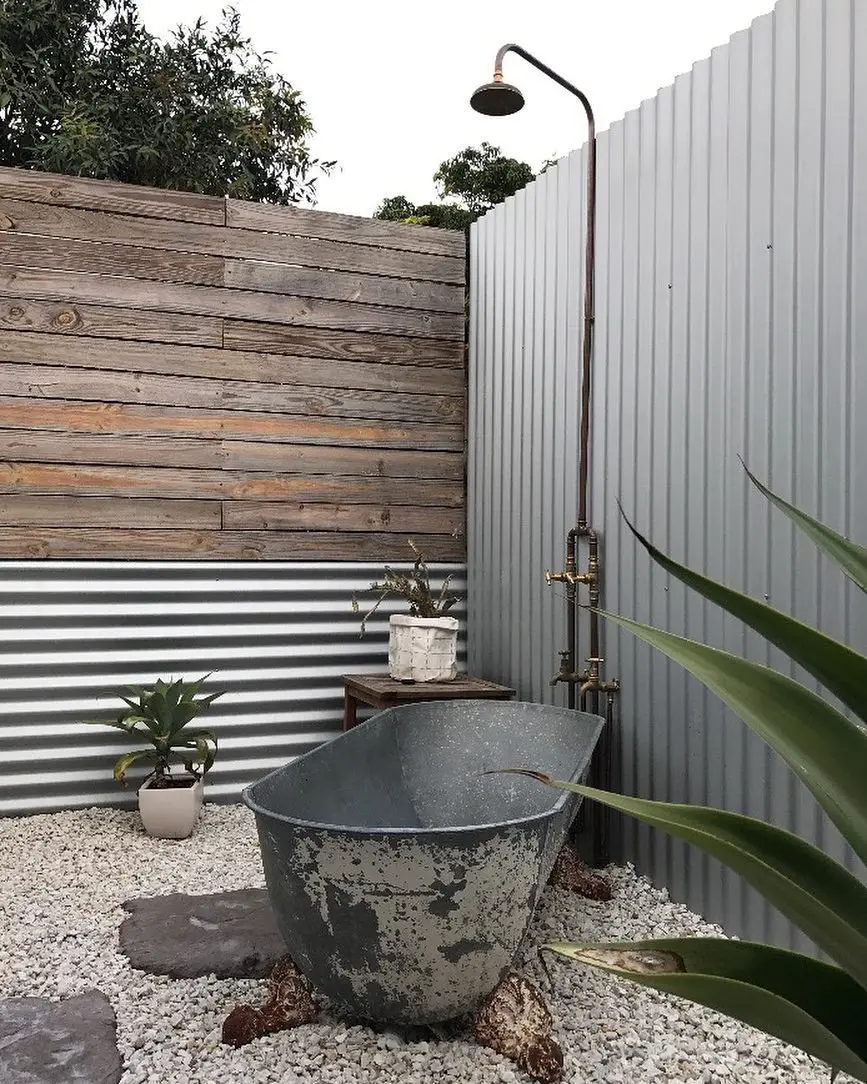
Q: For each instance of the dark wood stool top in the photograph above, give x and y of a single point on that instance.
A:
(382, 691)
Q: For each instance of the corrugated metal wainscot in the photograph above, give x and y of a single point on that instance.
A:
(277, 635)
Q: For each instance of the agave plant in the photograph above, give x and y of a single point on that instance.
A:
(413, 588)
(159, 715)
(817, 1006)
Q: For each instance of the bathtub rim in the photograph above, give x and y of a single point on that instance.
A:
(440, 832)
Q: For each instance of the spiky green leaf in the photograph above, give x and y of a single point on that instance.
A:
(803, 1001)
(840, 669)
(818, 894)
(851, 557)
(124, 763)
(822, 746)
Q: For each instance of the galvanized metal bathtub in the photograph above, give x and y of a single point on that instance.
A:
(402, 878)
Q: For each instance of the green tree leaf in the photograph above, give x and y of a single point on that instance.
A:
(473, 181)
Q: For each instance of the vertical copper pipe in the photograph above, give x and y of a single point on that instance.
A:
(571, 611)
(589, 318)
(593, 545)
(602, 833)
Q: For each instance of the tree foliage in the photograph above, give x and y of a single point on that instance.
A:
(481, 177)
(475, 180)
(86, 89)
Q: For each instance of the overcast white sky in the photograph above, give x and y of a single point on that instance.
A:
(387, 82)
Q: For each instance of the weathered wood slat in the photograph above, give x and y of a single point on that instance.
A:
(112, 449)
(348, 345)
(288, 516)
(23, 347)
(46, 542)
(193, 268)
(94, 385)
(57, 478)
(18, 510)
(127, 199)
(280, 278)
(108, 449)
(72, 319)
(106, 258)
(46, 220)
(335, 227)
(240, 305)
(315, 459)
(126, 418)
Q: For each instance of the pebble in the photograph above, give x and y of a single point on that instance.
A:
(66, 875)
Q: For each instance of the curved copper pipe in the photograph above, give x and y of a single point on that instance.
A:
(589, 269)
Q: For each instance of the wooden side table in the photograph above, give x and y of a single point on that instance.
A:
(380, 691)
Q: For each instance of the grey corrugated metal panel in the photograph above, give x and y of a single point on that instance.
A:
(533, 289)
(731, 309)
(278, 636)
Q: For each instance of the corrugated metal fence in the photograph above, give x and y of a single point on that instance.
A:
(278, 636)
(731, 318)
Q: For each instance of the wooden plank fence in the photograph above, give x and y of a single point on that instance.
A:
(183, 376)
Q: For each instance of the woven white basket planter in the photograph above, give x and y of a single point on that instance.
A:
(422, 648)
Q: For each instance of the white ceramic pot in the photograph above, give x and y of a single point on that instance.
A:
(422, 648)
(170, 812)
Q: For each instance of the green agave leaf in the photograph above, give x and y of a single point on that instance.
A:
(851, 557)
(124, 763)
(192, 687)
(138, 691)
(839, 668)
(206, 701)
(205, 753)
(821, 897)
(813, 1005)
(824, 748)
(181, 715)
(173, 693)
(159, 711)
(126, 725)
(193, 735)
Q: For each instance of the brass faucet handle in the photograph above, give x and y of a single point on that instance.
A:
(558, 577)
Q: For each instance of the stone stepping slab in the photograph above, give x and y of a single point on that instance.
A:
(232, 935)
(59, 1042)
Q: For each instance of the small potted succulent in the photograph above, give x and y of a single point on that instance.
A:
(422, 645)
(169, 803)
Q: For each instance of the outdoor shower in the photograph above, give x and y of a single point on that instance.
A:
(500, 99)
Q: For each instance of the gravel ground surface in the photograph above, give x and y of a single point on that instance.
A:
(65, 876)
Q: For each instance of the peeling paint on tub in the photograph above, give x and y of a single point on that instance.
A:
(415, 910)
(443, 932)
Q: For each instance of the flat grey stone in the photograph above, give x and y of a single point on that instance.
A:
(59, 1042)
(232, 935)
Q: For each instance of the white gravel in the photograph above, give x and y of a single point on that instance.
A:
(65, 876)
